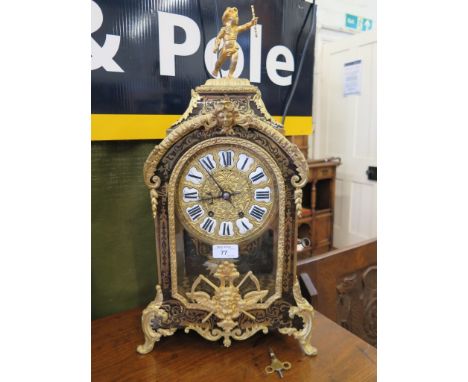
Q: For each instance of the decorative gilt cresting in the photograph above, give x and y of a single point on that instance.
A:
(153, 312)
(227, 304)
(306, 312)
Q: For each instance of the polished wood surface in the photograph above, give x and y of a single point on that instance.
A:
(188, 357)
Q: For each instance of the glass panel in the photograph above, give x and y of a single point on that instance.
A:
(226, 193)
(194, 257)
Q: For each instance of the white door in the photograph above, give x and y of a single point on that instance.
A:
(347, 128)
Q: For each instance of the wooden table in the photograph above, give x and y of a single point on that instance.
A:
(188, 357)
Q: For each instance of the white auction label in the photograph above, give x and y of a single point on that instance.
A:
(225, 251)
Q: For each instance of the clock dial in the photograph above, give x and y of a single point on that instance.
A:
(226, 194)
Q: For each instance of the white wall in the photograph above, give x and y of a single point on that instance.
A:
(331, 26)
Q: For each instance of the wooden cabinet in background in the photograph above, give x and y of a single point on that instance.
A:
(344, 287)
(318, 204)
(302, 143)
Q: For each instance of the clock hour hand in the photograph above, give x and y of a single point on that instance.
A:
(210, 197)
(219, 197)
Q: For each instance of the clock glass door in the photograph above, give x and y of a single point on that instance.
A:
(226, 196)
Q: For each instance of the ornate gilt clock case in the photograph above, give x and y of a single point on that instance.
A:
(225, 187)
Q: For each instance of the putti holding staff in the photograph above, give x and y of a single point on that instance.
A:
(228, 34)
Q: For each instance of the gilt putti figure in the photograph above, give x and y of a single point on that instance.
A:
(228, 34)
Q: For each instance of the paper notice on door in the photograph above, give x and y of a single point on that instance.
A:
(225, 251)
(352, 78)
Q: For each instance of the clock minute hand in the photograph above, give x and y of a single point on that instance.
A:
(214, 180)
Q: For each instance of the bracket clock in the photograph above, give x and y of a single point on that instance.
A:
(225, 187)
(226, 193)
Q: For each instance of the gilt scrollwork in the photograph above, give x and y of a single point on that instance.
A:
(257, 98)
(227, 304)
(240, 102)
(306, 312)
(166, 144)
(237, 334)
(154, 312)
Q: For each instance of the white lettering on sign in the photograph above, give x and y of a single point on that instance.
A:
(168, 49)
(273, 65)
(103, 56)
(225, 251)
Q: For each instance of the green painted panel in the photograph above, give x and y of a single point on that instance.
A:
(123, 256)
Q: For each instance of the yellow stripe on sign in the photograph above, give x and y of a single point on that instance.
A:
(296, 125)
(112, 127)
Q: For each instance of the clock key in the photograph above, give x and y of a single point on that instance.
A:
(276, 364)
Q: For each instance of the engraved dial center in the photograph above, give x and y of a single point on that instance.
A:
(236, 194)
(226, 193)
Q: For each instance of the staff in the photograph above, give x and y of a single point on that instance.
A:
(253, 16)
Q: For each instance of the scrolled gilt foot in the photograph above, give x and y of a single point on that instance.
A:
(309, 349)
(306, 312)
(147, 346)
(152, 311)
